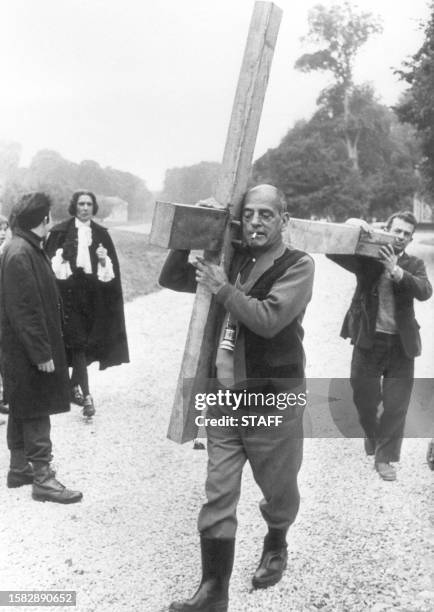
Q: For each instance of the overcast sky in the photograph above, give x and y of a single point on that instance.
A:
(145, 85)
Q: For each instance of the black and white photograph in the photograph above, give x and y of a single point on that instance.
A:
(216, 305)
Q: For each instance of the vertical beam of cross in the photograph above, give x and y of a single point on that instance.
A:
(231, 184)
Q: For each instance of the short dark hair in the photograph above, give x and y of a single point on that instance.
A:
(405, 215)
(75, 196)
(30, 210)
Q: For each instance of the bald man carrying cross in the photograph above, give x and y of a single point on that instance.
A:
(255, 411)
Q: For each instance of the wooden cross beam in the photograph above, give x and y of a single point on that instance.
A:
(177, 226)
(180, 226)
(231, 185)
(334, 238)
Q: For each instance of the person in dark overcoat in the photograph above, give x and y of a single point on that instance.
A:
(87, 269)
(32, 352)
(5, 236)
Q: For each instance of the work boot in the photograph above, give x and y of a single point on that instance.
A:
(385, 470)
(273, 561)
(213, 592)
(20, 471)
(47, 488)
(88, 406)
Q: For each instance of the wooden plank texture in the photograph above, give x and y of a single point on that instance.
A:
(322, 237)
(334, 238)
(232, 183)
(370, 245)
(182, 226)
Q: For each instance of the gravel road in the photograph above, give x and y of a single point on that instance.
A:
(359, 544)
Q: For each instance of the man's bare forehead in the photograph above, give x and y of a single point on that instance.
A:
(402, 225)
(266, 196)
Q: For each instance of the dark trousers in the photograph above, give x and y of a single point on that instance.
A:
(275, 455)
(383, 374)
(31, 436)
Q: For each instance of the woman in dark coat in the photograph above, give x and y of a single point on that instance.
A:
(87, 270)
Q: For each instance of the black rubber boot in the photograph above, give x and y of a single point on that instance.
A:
(213, 592)
(273, 561)
(47, 488)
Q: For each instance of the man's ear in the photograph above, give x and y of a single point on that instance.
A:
(285, 219)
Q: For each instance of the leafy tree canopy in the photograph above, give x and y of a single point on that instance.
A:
(352, 158)
(311, 165)
(190, 183)
(339, 31)
(59, 177)
(417, 105)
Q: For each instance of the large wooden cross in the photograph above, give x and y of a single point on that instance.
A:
(178, 226)
(231, 184)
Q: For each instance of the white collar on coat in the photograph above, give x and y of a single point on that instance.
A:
(84, 241)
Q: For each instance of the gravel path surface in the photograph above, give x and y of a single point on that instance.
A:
(359, 544)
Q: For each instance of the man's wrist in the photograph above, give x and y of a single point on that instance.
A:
(223, 293)
(397, 273)
(218, 287)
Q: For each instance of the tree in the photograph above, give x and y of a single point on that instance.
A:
(190, 183)
(352, 158)
(311, 166)
(133, 190)
(10, 153)
(59, 177)
(340, 31)
(417, 105)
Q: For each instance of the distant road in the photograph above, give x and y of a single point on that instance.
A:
(143, 228)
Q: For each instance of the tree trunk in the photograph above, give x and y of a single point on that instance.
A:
(352, 145)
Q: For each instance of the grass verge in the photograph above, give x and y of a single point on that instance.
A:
(140, 263)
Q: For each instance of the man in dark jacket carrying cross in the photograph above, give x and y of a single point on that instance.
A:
(381, 325)
(32, 351)
(259, 349)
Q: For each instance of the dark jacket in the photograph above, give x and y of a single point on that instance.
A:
(276, 355)
(104, 327)
(282, 355)
(360, 320)
(31, 333)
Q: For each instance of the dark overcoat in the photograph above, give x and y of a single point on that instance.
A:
(93, 310)
(31, 330)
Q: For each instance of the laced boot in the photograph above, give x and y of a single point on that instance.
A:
(273, 561)
(20, 471)
(47, 488)
(213, 592)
